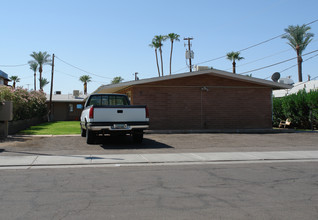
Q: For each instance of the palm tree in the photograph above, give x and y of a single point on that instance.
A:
(298, 38)
(155, 45)
(43, 82)
(234, 56)
(117, 79)
(34, 67)
(85, 79)
(159, 39)
(173, 37)
(41, 59)
(14, 79)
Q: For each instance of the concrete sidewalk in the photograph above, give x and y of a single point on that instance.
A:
(54, 161)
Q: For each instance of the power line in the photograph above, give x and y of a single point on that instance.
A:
(255, 45)
(81, 69)
(14, 65)
(277, 63)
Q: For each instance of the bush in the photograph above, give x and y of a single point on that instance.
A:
(301, 108)
(25, 104)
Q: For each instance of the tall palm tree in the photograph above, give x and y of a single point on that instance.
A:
(234, 56)
(173, 37)
(155, 44)
(43, 83)
(160, 39)
(41, 58)
(34, 67)
(85, 79)
(14, 79)
(298, 38)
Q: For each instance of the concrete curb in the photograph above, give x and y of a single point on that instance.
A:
(28, 162)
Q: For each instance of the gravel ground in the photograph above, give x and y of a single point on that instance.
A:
(159, 143)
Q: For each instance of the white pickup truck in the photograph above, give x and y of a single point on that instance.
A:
(112, 114)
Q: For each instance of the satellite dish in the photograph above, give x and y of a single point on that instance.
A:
(276, 76)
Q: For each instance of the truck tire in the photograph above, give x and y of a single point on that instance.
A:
(138, 137)
(83, 132)
(89, 136)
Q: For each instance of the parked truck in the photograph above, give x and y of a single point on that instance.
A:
(112, 114)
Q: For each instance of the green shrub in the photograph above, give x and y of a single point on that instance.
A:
(25, 104)
(301, 108)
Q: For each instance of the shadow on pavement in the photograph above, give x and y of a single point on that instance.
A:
(126, 143)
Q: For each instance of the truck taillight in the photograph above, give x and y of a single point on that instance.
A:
(91, 112)
(147, 112)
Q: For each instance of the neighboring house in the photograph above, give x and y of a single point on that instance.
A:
(309, 85)
(66, 107)
(4, 78)
(208, 99)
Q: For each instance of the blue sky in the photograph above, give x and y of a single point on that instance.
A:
(111, 38)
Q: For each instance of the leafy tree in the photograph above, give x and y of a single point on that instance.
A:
(155, 44)
(117, 79)
(41, 58)
(298, 38)
(43, 83)
(34, 67)
(173, 37)
(233, 56)
(14, 79)
(85, 79)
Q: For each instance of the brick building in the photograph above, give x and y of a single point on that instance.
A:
(210, 99)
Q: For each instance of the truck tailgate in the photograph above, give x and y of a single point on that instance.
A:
(120, 114)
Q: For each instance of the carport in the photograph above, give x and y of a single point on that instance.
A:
(209, 99)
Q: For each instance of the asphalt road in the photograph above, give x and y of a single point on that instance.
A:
(160, 143)
(237, 191)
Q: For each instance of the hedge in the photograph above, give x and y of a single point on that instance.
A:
(25, 104)
(301, 108)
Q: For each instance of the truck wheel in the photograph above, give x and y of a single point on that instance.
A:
(89, 136)
(83, 132)
(138, 137)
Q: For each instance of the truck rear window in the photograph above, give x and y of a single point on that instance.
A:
(106, 100)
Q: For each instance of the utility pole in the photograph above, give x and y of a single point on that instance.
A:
(189, 51)
(51, 91)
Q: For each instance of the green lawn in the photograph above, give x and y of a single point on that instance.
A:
(54, 128)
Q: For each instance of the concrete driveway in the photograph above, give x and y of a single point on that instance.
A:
(159, 143)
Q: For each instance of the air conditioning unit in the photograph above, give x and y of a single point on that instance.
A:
(58, 92)
(75, 93)
(287, 81)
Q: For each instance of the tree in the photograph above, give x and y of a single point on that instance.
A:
(173, 37)
(85, 79)
(298, 38)
(160, 39)
(14, 79)
(234, 56)
(34, 67)
(117, 80)
(41, 59)
(155, 44)
(43, 83)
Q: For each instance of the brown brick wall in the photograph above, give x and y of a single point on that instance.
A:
(182, 104)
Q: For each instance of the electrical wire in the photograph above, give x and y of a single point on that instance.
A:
(284, 61)
(81, 69)
(252, 46)
(14, 65)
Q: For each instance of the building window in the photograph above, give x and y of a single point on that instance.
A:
(71, 107)
(79, 106)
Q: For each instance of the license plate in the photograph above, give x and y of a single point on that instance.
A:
(120, 126)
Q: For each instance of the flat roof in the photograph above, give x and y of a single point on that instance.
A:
(65, 98)
(112, 88)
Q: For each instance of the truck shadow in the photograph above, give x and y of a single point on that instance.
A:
(126, 142)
